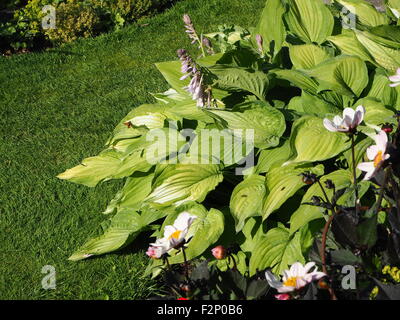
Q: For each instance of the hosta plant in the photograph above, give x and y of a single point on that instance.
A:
(303, 111)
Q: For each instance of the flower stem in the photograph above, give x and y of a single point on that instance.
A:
(185, 264)
(354, 172)
(323, 253)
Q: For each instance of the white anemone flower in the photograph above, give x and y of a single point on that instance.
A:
(351, 119)
(295, 278)
(395, 79)
(377, 154)
(177, 233)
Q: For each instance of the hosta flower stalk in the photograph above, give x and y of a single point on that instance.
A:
(199, 91)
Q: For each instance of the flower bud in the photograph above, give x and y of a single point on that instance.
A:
(387, 127)
(186, 19)
(219, 252)
(260, 41)
(309, 178)
(329, 184)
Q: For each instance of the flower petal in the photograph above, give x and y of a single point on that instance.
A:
(329, 125)
(372, 151)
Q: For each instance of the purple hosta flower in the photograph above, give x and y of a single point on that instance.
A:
(190, 30)
(377, 154)
(196, 87)
(395, 79)
(350, 121)
(297, 277)
(259, 41)
(208, 45)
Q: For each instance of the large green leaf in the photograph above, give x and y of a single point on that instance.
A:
(366, 13)
(311, 141)
(267, 122)
(233, 79)
(107, 165)
(348, 43)
(136, 189)
(212, 145)
(343, 74)
(271, 27)
(171, 71)
(247, 199)
(271, 158)
(375, 111)
(306, 213)
(277, 250)
(386, 57)
(123, 228)
(298, 78)
(307, 56)
(381, 90)
(183, 182)
(310, 20)
(283, 182)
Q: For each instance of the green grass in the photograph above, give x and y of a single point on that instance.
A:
(60, 106)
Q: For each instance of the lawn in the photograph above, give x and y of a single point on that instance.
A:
(60, 106)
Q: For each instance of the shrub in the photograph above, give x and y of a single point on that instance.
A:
(74, 20)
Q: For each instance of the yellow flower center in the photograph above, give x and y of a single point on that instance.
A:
(175, 235)
(378, 159)
(291, 282)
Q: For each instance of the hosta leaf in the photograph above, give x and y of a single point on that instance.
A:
(387, 58)
(299, 79)
(271, 158)
(268, 122)
(310, 20)
(283, 182)
(136, 188)
(306, 213)
(366, 14)
(343, 74)
(381, 90)
(375, 111)
(107, 165)
(233, 79)
(276, 250)
(171, 71)
(307, 56)
(247, 199)
(348, 43)
(313, 105)
(271, 27)
(125, 226)
(215, 146)
(181, 182)
(311, 141)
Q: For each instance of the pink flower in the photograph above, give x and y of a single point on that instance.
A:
(282, 296)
